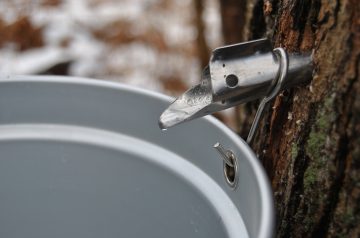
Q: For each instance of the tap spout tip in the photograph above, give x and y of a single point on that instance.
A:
(162, 125)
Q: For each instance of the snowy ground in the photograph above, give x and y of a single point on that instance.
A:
(146, 43)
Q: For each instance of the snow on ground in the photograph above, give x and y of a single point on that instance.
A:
(136, 62)
(147, 43)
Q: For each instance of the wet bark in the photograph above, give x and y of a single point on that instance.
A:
(309, 138)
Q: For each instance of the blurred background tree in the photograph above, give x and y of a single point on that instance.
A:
(309, 139)
(158, 44)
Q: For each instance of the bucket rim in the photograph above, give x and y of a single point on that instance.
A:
(267, 223)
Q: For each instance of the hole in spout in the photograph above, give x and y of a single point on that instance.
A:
(231, 80)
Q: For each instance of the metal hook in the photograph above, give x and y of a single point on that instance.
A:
(226, 155)
(230, 165)
(283, 70)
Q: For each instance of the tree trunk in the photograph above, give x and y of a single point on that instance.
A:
(233, 20)
(202, 47)
(309, 141)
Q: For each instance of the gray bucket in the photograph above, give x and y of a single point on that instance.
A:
(85, 158)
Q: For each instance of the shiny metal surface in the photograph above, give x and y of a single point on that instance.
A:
(253, 63)
(190, 105)
(230, 165)
(284, 67)
(226, 155)
(236, 74)
(78, 161)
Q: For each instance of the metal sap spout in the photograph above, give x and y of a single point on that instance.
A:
(189, 105)
(237, 74)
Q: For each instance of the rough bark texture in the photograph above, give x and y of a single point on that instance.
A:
(309, 139)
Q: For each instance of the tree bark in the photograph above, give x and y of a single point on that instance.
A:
(233, 20)
(202, 47)
(309, 139)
